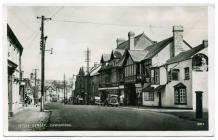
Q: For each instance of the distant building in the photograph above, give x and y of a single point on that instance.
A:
(50, 92)
(94, 81)
(15, 95)
(80, 85)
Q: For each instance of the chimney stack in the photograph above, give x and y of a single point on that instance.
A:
(131, 36)
(31, 76)
(177, 46)
(205, 43)
(119, 41)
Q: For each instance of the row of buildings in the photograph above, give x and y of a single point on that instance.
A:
(20, 88)
(169, 73)
(15, 86)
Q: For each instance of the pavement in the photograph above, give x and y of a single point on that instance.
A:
(92, 117)
(29, 119)
(188, 114)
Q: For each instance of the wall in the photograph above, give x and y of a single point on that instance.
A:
(200, 83)
(14, 56)
(168, 97)
(150, 103)
(16, 101)
(161, 57)
(163, 75)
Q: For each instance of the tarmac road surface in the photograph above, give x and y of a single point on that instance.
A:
(92, 117)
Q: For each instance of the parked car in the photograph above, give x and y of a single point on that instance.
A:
(54, 99)
(97, 101)
(113, 100)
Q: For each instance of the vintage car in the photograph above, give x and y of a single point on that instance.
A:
(97, 101)
(112, 100)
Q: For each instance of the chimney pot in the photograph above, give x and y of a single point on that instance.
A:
(205, 43)
(178, 28)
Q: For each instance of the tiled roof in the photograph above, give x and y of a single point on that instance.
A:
(185, 55)
(12, 36)
(137, 55)
(118, 53)
(95, 70)
(155, 48)
(125, 44)
(120, 62)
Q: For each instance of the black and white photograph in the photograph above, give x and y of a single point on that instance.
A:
(78, 68)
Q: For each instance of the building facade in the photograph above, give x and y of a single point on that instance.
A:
(15, 94)
(149, 73)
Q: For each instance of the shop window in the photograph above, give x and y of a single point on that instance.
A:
(149, 96)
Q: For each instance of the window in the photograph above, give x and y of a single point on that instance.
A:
(149, 96)
(180, 95)
(175, 74)
(155, 76)
(186, 73)
(169, 76)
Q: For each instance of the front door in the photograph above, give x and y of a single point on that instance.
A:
(159, 95)
(199, 109)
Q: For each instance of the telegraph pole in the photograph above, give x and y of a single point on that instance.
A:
(64, 89)
(42, 48)
(35, 89)
(87, 60)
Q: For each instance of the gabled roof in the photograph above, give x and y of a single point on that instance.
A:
(125, 44)
(81, 71)
(95, 70)
(105, 57)
(156, 48)
(120, 62)
(117, 53)
(137, 55)
(47, 87)
(185, 55)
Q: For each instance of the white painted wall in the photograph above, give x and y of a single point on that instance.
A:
(16, 103)
(163, 76)
(168, 97)
(161, 57)
(14, 55)
(150, 103)
(200, 83)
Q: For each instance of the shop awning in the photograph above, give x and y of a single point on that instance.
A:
(159, 87)
(110, 88)
(121, 87)
(102, 88)
(148, 88)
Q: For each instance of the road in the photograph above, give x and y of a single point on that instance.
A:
(91, 117)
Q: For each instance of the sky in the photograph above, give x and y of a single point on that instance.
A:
(73, 29)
